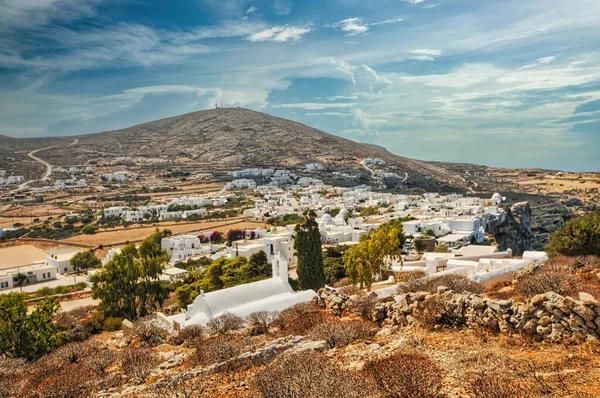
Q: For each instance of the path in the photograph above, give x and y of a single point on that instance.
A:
(72, 304)
(45, 163)
(373, 172)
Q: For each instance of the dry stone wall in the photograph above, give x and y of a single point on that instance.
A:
(546, 317)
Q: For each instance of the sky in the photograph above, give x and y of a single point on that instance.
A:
(508, 83)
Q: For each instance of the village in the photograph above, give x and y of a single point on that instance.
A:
(445, 232)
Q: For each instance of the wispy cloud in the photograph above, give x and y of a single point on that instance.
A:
(413, 2)
(362, 76)
(387, 21)
(352, 26)
(36, 13)
(314, 106)
(280, 34)
(426, 54)
(356, 26)
(546, 60)
(251, 9)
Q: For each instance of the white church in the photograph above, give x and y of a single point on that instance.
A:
(274, 294)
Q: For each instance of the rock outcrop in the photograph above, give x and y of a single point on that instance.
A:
(546, 317)
(514, 231)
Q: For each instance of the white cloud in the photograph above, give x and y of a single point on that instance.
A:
(425, 54)
(387, 21)
(119, 44)
(546, 60)
(280, 34)
(413, 2)
(362, 76)
(427, 51)
(36, 13)
(460, 78)
(314, 106)
(353, 26)
(251, 9)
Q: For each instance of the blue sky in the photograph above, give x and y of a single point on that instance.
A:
(497, 82)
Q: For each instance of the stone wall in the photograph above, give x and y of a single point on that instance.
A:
(549, 317)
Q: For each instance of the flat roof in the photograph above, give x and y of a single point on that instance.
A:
(27, 268)
(17, 256)
(64, 254)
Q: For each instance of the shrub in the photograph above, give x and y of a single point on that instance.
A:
(587, 263)
(349, 290)
(456, 283)
(579, 236)
(409, 276)
(149, 330)
(217, 349)
(73, 352)
(224, 323)
(494, 385)
(179, 387)
(138, 363)
(112, 323)
(552, 276)
(406, 376)
(69, 381)
(299, 319)
(100, 361)
(362, 306)
(191, 335)
(339, 333)
(307, 375)
(260, 321)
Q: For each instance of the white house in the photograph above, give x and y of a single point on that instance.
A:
(182, 247)
(112, 252)
(61, 259)
(35, 272)
(115, 211)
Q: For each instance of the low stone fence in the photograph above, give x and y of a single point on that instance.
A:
(549, 317)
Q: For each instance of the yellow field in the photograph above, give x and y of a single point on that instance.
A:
(559, 185)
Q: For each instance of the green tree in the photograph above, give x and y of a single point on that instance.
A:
(429, 232)
(186, 294)
(334, 269)
(310, 255)
(20, 279)
(259, 265)
(577, 237)
(28, 336)
(89, 229)
(365, 260)
(85, 260)
(419, 245)
(129, 286)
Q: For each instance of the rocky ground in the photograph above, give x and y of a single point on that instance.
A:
(445, 337)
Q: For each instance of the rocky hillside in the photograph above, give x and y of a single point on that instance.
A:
(235, 137)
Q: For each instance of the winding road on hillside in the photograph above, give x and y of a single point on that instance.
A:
(373, 172)
(48, 165)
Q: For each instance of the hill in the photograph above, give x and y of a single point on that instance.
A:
(230, 138)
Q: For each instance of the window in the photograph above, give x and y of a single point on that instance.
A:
(65, 269)
(3, 285)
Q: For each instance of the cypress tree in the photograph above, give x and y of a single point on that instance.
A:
(310, 256)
